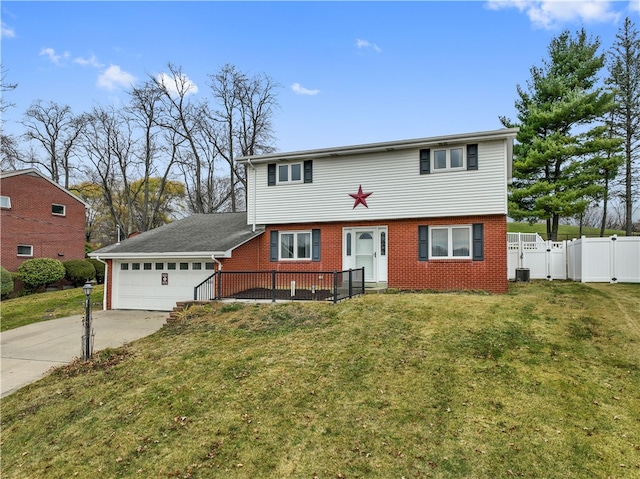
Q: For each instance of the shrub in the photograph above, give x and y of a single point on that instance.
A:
(7, 282)
(79, 271)
(99, 266)
(39, 272)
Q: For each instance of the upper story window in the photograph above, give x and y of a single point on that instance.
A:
(59, 210)
(454, 158)
(290, 173)
(448, 159)
(5, 202)
(25, 250)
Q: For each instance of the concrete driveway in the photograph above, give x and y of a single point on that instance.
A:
(29, 352)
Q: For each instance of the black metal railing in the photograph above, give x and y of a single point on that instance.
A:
(281, 285)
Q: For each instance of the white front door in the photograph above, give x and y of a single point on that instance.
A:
(366, 247)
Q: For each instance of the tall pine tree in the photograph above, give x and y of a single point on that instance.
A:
(559, 116)
(624, 77)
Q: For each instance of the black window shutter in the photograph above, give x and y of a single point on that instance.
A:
(472, 157)
(273, 245)
(478, 242)
(271, 174)
(423, 243)
(308, 171)
(425, 168)
(315, 245)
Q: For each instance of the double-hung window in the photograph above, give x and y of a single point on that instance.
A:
(295, 245)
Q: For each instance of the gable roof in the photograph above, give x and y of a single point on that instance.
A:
(199, 235)
(35, 172)
(341, 151)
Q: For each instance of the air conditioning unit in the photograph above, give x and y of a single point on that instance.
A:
(522, 275)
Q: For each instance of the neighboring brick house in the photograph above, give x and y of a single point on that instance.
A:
(39, 219)
(421, 214)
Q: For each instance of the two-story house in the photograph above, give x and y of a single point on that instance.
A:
(421, 214)
(38, 219)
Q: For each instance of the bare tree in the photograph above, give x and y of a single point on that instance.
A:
(108, 146)
(157, 156)
(243, 122)
(55, 129)
(185, 122)
(10, 156)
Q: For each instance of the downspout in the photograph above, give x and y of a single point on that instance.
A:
(254, 196)
(106, 275)
(213, 257)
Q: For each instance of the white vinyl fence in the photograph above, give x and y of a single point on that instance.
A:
(543, 259)
(605, 260)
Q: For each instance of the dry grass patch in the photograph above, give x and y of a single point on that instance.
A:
(541, 382)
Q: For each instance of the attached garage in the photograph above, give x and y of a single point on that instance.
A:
(158, 283)
(154, 270)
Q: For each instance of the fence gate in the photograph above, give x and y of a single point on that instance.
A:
(543, 259)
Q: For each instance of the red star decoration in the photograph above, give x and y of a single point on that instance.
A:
(360, 197)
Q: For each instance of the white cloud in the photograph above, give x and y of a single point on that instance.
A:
(53, 56)
(634, 6)
(172, 84)
(549, 14)
(113, 78)
(92, 61)
(300, 90)
(365, 45)
(6, 31)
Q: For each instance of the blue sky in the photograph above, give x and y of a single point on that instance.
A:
(350, 72)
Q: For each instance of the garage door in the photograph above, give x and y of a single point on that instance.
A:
(156, 285)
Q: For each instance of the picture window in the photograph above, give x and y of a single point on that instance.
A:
(5, 202)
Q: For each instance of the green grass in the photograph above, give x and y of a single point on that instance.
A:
(44, 306)
(565, 232)
(542, 382)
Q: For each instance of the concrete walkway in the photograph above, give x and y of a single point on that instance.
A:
(29, 352)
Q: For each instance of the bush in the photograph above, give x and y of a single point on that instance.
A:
(7, 282)
(79, 271)
(99, 266)
(39, 272)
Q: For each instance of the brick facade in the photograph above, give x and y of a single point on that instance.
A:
(405, 270)
(30, 221)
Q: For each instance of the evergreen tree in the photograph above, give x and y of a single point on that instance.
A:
(624, 70)
(559, 116)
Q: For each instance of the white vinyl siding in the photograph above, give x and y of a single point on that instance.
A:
(398, 189)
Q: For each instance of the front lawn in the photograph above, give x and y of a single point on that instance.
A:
(542, 382)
